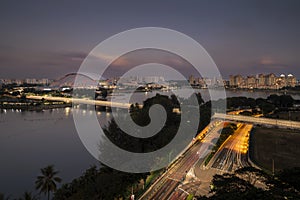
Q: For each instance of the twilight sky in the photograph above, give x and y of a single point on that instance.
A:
(51, 38)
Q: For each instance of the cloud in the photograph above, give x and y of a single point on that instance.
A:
(74, 56)
(266, 61)
(270, 63)
(121, 61)
(61, 59)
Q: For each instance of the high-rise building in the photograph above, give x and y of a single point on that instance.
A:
(291, 81)
(261, 81)
(236, 81)
(251, 82)
(270, 80)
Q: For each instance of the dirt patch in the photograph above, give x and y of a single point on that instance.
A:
(282, 145)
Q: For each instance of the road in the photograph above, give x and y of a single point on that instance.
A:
(260, 120)
(166, 187)
(232, 155)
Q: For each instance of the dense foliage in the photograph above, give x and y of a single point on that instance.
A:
(250, 183)
(103, 183)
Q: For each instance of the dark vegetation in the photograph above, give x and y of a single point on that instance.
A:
(103, 183)
(296, 88)
(141, 117)
(250, 183)
(275, 106)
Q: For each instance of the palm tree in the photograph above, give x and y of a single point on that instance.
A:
(46, 182)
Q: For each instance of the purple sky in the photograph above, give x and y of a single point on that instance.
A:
(50, 39)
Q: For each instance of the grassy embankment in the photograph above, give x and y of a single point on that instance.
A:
(281, 146)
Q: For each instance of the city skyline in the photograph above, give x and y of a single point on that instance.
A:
(48, 39)
(45, 79)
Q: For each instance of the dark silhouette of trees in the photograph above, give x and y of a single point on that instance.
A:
(46, 182)
(3, 197)
(250, 183)
(291, 177)
(266, 105)
(140, 115)
(281, 101)
(229, 186)
(99, 184)
(28, 196)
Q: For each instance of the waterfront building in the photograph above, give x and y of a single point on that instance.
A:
(236, 81)
(262, 81)
(251, 82)
(270, 81)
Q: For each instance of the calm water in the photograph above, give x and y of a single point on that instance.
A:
(32, 140)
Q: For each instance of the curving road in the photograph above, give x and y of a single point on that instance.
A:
(167, 186)
(233, 153)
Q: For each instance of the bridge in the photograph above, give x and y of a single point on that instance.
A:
(259, 120)
(82, 101)
(84, 80)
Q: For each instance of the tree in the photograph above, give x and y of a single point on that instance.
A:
(199, 98)
(286, 101)
(175, 100)
(229, 186)
(291, 177)
(100, 184)
(253, 175)
(46, 182)
(104, 93)
(3, 197)
(28, 196)
(250, 183)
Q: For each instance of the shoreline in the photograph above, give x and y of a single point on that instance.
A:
(264, 90)
(34, 107)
